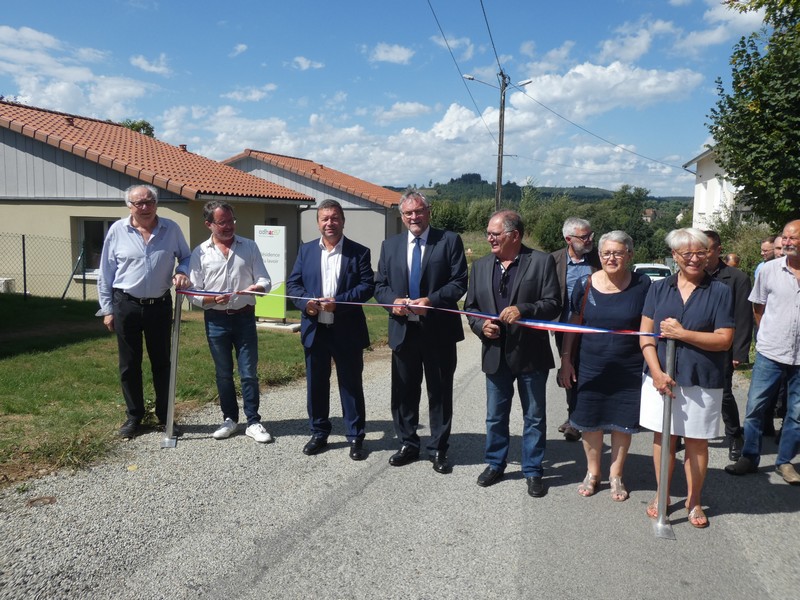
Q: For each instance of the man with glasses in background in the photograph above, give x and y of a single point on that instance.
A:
(136, 274)
(776, 304)
(228, 264)
(573, 262)
(424, 267)
(513, 282)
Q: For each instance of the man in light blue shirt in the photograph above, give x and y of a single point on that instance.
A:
(136, 274)
(776, 304)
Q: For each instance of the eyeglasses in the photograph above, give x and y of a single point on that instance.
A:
(585, 238)
(617, 255)
(227, 223)
(144, 203)
(503, 282)
(496, 236)
(687, 256)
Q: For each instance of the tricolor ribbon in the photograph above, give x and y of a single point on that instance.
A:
(530, 323)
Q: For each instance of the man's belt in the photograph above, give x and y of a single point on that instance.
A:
(145, 301)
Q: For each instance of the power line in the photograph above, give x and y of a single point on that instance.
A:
(460, 72)
(602, 139)
(491, 39)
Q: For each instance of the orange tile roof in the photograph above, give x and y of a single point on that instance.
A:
(139, 156)
(318, 172)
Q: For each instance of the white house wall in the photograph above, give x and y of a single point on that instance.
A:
(365, 222)
(711, 192)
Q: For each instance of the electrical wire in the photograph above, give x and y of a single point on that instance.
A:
(491, 39)
(460, 72)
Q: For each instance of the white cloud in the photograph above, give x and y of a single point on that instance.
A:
(237, 50)
(159, 66)
(634, 42)
(401, 110)
(723, 25)
(680, 2)
(304, 64)
(553, 60)
(528, 49)
(250, 93)
(464, 44)
(589, 89)
(391, 53)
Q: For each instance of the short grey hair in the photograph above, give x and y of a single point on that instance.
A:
(151, 191)
(512, 221)
(413, 194)
(618, 236)
(681, 238)
(574, 223)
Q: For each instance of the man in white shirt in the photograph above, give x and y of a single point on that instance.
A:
(228, 264)
(330, 272)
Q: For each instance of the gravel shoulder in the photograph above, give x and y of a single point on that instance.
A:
(237, 519)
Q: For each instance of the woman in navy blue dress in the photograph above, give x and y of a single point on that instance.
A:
(609, 379)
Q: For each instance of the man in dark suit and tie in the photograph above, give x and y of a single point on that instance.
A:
(514, 282)
(424, 267)
(332, 270)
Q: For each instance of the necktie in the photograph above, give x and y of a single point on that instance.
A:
(416, 270)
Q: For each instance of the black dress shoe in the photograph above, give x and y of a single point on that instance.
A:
(735, 447)
(129, 428)
(406, 455)
(490, 476)
(440, 463)
(314, 445)
(743, 466)
(357, 450)
(536, 487)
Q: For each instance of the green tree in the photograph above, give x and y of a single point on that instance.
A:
(141, 126)
(449, 215)
(757, 125)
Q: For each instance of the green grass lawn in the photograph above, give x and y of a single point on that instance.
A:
(60, 399)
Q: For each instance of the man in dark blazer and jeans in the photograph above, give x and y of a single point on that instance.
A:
(424, 267)
(332, 270)
(514, 282)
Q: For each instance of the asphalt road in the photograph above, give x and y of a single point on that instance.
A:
(236, 519)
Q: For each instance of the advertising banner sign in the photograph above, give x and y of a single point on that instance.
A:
(271, 240)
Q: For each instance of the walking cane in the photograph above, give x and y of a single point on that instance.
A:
(662, 527)
(170, 441)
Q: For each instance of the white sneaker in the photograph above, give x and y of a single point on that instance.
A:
(226, 429)
(258, 433)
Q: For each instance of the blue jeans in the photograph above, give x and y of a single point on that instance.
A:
(227, 333)
(764, 385)
(499, 395)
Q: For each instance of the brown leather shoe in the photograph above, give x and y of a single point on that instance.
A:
(789, 473)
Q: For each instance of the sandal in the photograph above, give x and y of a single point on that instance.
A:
(697, 518)
(618, 491)
(652, 508)
(589, 485)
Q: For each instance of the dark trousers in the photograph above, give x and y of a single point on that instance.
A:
(730, 412)
(572, 393)
(349, 361)
(154, 321)
(418, 353)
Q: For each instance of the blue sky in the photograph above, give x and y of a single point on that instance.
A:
(370, 87)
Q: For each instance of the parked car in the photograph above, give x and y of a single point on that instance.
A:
(654, 271)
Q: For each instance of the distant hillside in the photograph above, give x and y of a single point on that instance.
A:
(471, 186)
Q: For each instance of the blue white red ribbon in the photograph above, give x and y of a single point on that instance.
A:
(530, 323)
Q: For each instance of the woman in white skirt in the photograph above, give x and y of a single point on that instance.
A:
(697, 312)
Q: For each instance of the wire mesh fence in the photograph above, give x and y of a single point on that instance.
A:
(36, 265)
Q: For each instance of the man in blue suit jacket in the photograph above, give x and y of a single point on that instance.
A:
(329, 271)
(424, 267)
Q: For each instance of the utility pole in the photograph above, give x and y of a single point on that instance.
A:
(503, 79)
